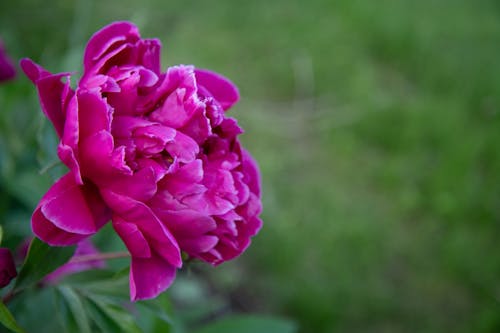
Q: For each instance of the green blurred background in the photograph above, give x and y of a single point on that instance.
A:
(377, 128)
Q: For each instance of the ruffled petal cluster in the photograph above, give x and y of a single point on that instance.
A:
(153, 152)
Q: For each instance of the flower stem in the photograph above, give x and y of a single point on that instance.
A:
(100, 256)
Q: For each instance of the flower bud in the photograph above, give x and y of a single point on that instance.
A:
(7, 267)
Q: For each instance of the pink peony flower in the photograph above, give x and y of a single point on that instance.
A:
(7, 267)
(7, 70)
(152, 151)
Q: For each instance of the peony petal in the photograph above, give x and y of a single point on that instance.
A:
(149, 277)
(68, 147)
(217, 86)
(53, 93)
(68, 156)
(96, 152)
(49, 233)
(133, 238)
(197, 245)
(149, 50)
(158, 236)
(32, 70)
(140, 186)
(93, 114)
(251, 172)
(74, 208)
(186, 223)
(182, 147)
(107, 39)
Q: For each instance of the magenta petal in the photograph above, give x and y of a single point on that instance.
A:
(150, 49)
(32, 70)
(95, 156)
(199, 244)
(49, 233)
(187, 223)
(106, 39)
(140, 186)
(52, 92)
(218, 87)
(68, 207)
(149, 277)
(158, 236)
(68, 157)
(68, 211)
(93, 114)
(250, 172)
(68, 147)
(183, 147)
(133, 238)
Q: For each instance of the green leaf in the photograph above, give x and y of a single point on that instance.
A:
(100, 318)
(41, 260)
(74, 302)
(156, 308)
(115, 313)
(250, 324)
(100, 282)
(8, 320)
(1, 234)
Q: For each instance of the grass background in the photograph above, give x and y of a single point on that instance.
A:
(377, 128)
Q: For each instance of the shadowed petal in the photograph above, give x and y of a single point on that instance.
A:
(199, 244)
(149, 277)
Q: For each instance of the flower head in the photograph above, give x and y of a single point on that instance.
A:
(152, 151)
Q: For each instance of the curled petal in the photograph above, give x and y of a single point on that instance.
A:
(69, 212)
(52, 235)
(108, 39)
(133, 238)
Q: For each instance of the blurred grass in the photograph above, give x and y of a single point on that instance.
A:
(376, 125)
